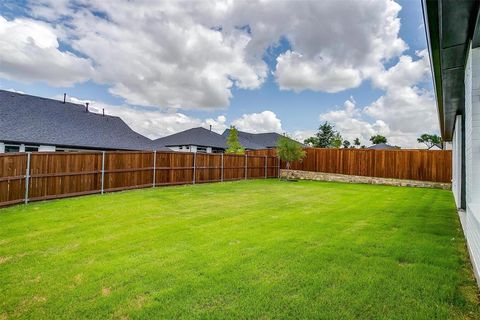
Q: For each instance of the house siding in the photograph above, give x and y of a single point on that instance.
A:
(472, 156)
(457, 162)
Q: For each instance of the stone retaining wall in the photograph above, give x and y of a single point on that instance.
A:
(322, 176)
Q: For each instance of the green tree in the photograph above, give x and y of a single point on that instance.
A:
(323, 138)
(336, 141)
(233, 145)
(376, 139)
(289, 150)
(356, 142)
(346, 144)
(312, 141)
(430, 140)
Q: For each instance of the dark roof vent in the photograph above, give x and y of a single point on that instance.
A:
(64, 97)
(86, 106)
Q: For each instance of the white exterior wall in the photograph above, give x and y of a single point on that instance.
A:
(43, 148)
(2, 147)
(457, 162)
(472, 157)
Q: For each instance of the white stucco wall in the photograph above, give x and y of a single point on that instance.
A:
(472, 157)
(2, 147)
(457, 161)
(43, 148)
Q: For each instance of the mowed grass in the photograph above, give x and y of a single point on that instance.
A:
(241, 250)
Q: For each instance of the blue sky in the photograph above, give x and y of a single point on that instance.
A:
(297, 108)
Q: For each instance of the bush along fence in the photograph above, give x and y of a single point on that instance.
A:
(26, 177)
(420, 165)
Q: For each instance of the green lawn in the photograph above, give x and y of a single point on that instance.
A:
(250, 249)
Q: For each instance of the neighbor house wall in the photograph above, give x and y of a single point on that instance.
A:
(43, 148)
(472, 156)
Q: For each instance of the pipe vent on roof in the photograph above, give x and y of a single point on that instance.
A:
(86, 106)
(64, 97)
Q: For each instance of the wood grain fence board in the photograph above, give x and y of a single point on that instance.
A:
(12, 174)
(423, 165)
(54, 174)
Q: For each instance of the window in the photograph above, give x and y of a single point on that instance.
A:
(31, 149)
(12, 148)
(201, 149)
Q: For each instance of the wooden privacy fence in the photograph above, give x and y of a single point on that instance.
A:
(35, 176)
(39, 176)
(423, 165)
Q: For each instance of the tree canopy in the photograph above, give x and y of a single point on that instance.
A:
(430, 140)
(326, 137)
(378, 138)
(233, 145)
(289, 150)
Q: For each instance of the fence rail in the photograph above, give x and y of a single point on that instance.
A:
(26, 177)
(422, 165)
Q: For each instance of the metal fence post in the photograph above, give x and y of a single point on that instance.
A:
(194, 165)
(154, 167)
(221, 179)
(246, 169)
(266, 162)
(278, 169)
(103, 170)
(27, 177)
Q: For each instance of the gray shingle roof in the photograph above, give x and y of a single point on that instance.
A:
(36, 120)
(196, 136)
(256, 140)
(382, 146)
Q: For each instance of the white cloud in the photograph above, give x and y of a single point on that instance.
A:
(301, 135)
(30, 52)
(403, 113)
(349, 122)
(297, 73)
(265, 121)
(191, 55)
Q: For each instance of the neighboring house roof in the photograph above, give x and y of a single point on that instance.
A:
(256, 140)
(382, 146)
(193, 137)
(36, 120)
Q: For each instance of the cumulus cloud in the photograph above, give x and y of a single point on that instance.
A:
(403, 113)
(191, 55)
(297, 73)
(30, 52)
(265, 121)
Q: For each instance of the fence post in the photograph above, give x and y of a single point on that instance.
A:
(266, 162)
(222, 170)
(194, 165)
(278, 167)
(27, 177)
(246, 169)
(154, 167)
(103, 170)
